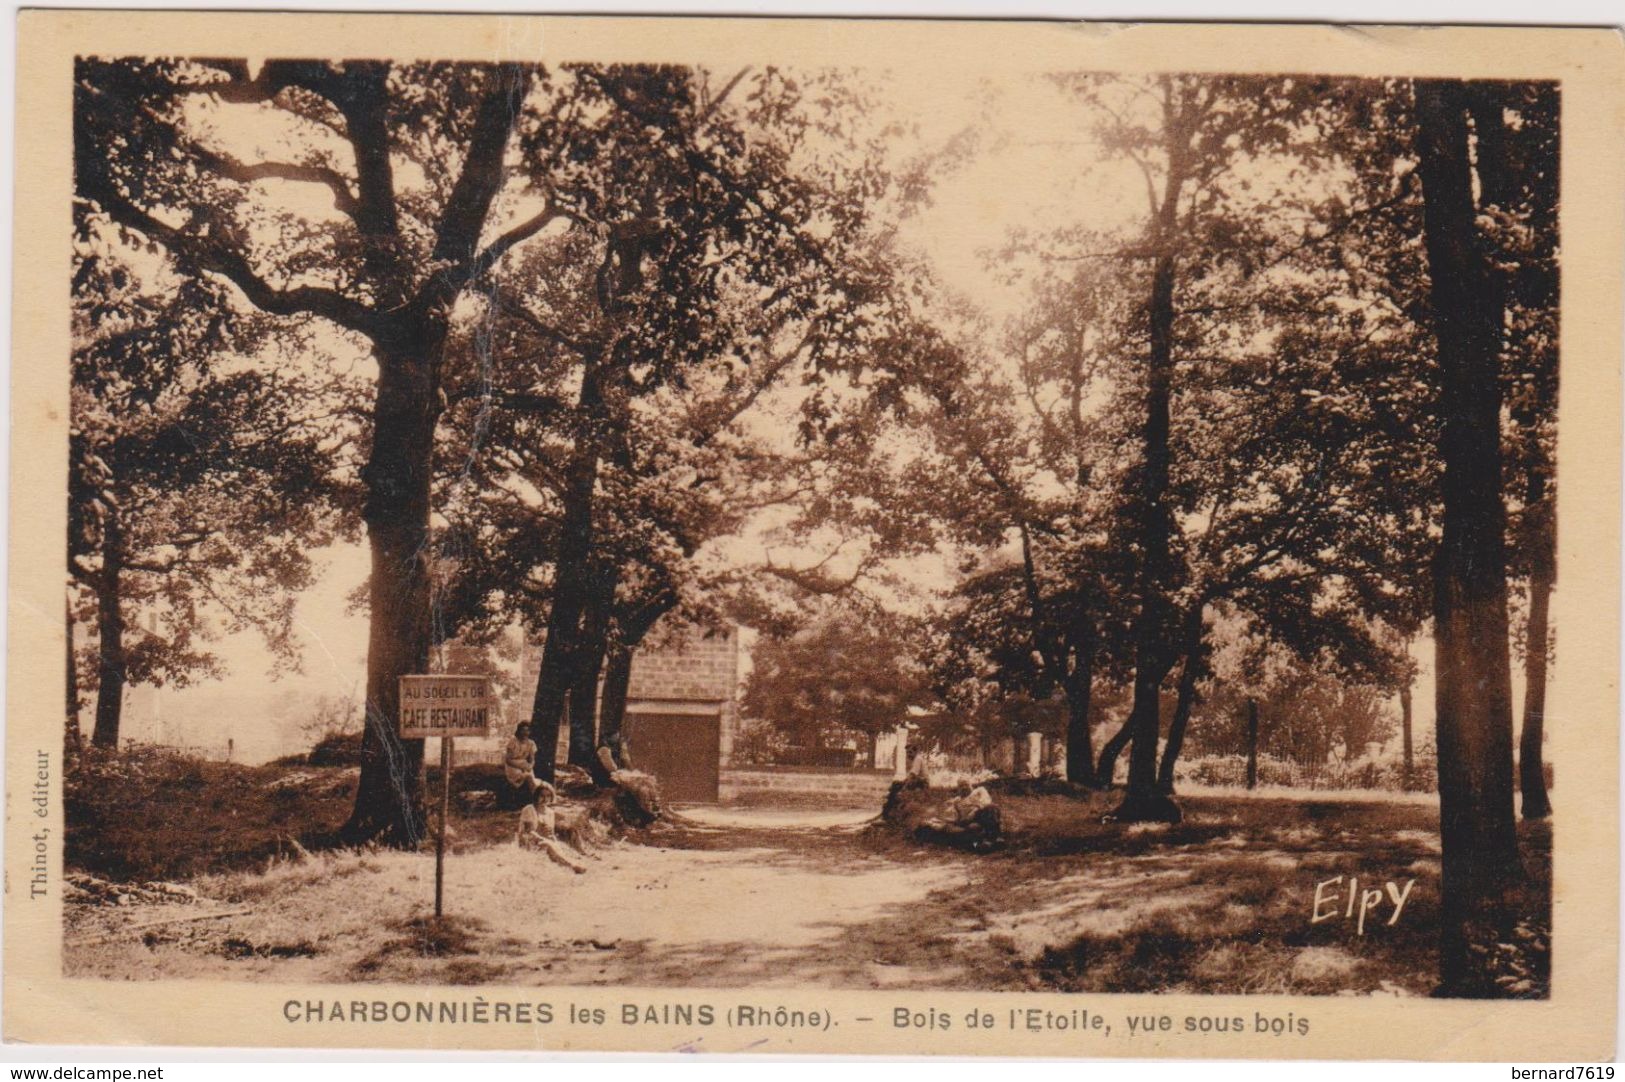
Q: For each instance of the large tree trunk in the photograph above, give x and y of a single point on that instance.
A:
(111, 664)
(1252, 743)
(1106, 770)
(553, 686)
(634, 626)
(589, 665)
(389, 796)
(74, 739)
(612, 711)
(1184, 703)
(1474, 696)
(1080, 752)
(562, 653)
(1406, 778)
(1500, 177)
(1143, 800)
(1531, 775)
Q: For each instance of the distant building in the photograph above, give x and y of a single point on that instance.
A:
(682, 710)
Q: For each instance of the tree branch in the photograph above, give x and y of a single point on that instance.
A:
(246, 173)
(205, 256)
(775, 369)
(722, 96)
(507, 306)
(521, 232)
(477, 185)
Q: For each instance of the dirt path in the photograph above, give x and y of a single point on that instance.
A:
(736, 897)
(740, 896)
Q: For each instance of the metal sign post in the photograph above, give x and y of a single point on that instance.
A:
(446, 707)
(445, 809)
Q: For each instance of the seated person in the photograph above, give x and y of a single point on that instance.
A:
(519, 767)
(537, 828)
(969, 816)
(918, 777)
(606, 762)
(636, 795)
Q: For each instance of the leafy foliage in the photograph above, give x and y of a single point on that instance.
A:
(837, 679)
(200, 477)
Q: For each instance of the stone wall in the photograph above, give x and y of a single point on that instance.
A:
(697, 667)
(873, 786)
(694, 668)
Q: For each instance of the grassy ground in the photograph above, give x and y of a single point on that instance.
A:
(1223, 902)
(806, 895)
(152, 814)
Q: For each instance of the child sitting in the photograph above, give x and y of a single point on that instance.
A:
(537, 828)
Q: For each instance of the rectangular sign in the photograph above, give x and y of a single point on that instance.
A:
(445, 706)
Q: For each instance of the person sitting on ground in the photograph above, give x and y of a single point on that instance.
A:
(636, 795)
(917, 777)
(519, 767)
(537, 828)
(607, 763)
(969, 817)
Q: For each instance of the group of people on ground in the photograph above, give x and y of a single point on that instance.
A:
(538, 820)
(969, 819)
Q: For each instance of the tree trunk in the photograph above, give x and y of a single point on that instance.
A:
(1183, 705)
(584, 699)
(74, 739)
(1531, 775)
(553, 682)
(612, 711)
(1499, 185)
(1106, 771)
(1144, 801)
(572, 587)
(567, 652)
(552, 689)
(583, 751)
(1409, 770)
(389, 796)
(111, 666)
(1080, 752)
(1474, 695)
(1252, 743)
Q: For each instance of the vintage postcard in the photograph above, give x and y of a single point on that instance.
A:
(815, 536)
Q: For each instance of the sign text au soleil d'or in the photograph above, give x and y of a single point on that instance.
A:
(445, 706)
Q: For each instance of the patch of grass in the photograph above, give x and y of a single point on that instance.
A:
(148, 813)
(1221, 902)
(470, 971)
(438, 937)
(455, 940)
(819, 799)
(238, 947)
(154, 814)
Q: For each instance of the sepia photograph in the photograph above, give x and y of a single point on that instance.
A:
(789, 521)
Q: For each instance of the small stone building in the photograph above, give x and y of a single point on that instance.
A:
(682, 712)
